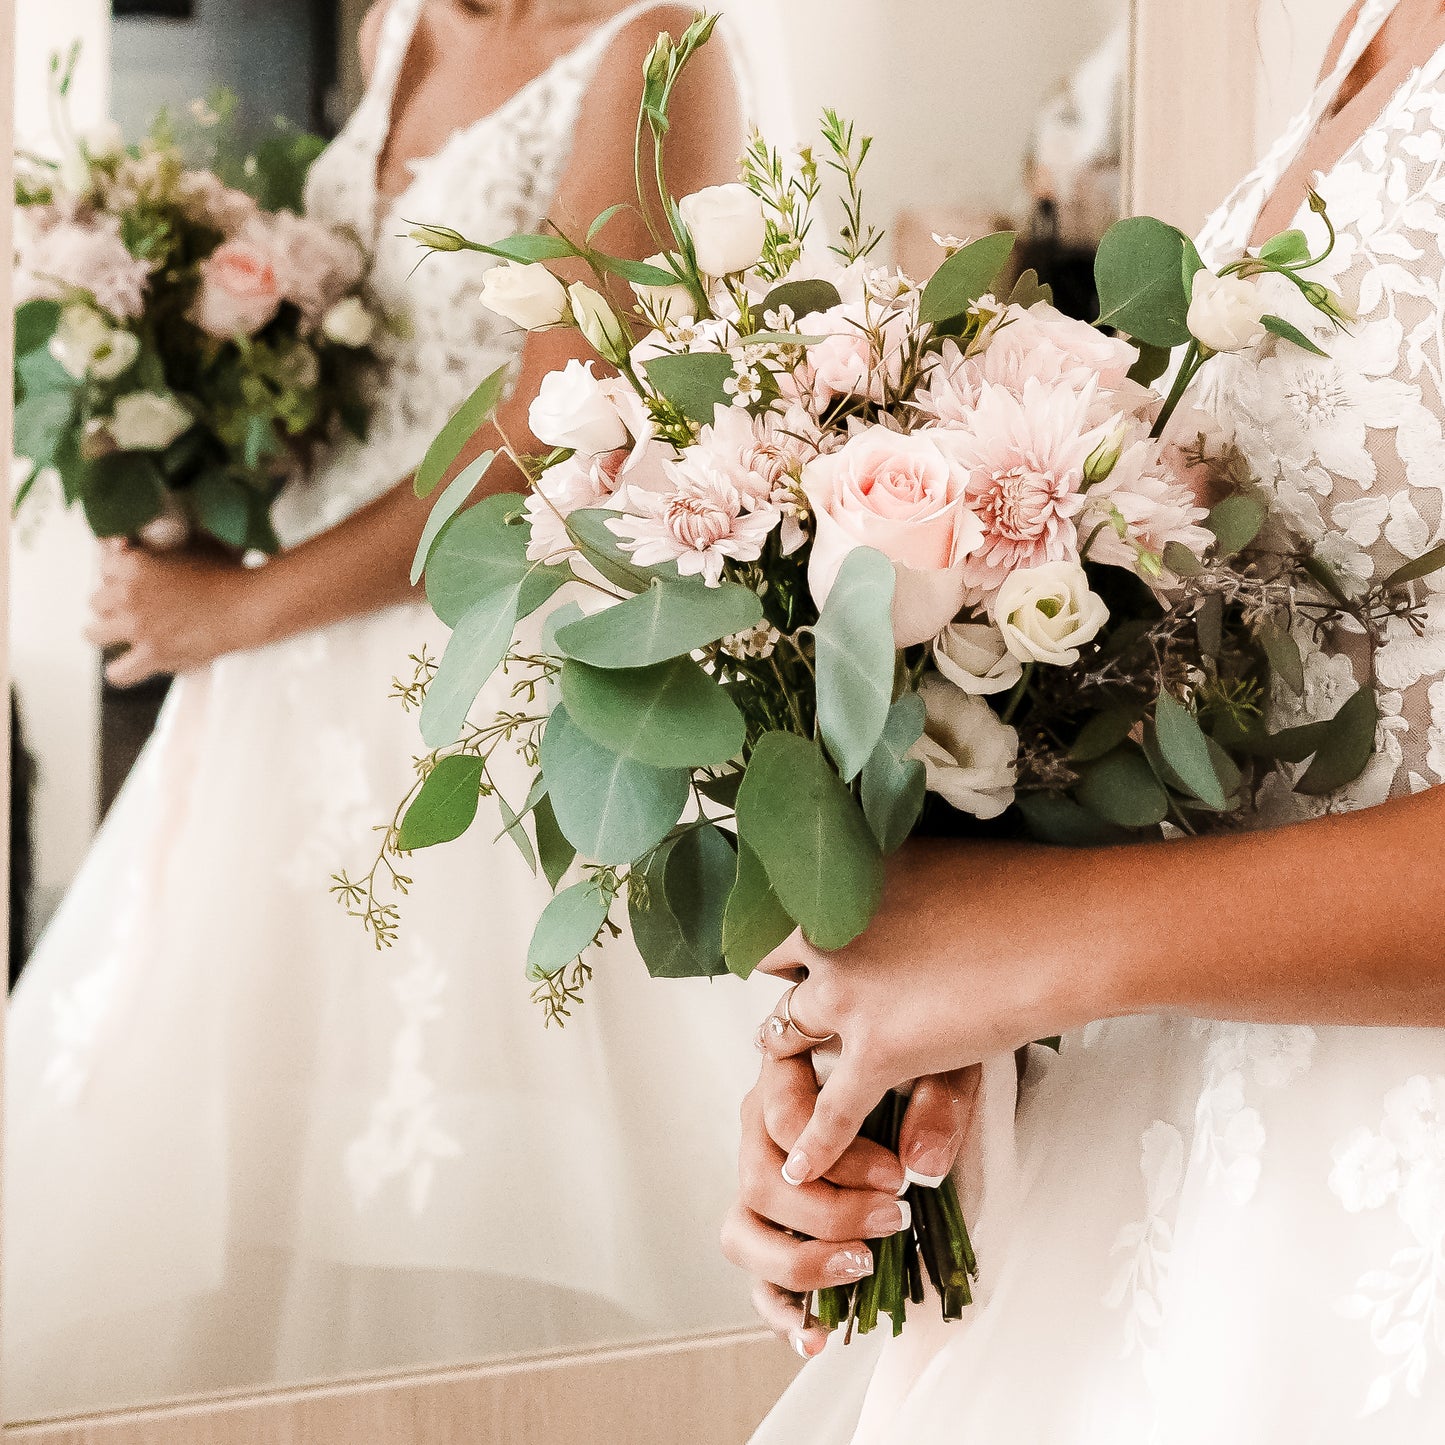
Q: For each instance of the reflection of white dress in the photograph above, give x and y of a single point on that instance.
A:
(1222, 1234)
(244, 1146)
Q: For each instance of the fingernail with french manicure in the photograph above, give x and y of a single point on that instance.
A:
(889, 1219)
(928, 1165)
(795, 1171)
(850, 1264)
(800, 1346)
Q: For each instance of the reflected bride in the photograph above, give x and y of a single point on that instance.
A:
(242, 1144)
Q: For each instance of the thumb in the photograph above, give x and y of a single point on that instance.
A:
(842, 1106)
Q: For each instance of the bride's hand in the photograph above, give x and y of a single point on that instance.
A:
(976, 950)
(795, 1240)
(171, 611)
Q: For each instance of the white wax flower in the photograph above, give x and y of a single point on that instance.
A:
(1048, 613)
(349, 323)
(525, 293)
(969, 756)
(573, 409)
(1226, 312)
(147, 421)
(727, 227)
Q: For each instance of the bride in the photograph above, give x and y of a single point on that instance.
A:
(243, 1145)
(1220, 1214)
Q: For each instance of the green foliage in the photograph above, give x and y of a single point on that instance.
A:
(1104, 732)
(1236, 522)
(1289, 248)
(124, 492)
(1153, 362)
(554, 852)
(669, 619)
(1284, 655)
(468, 420)
(812, 839)
(670, 715)
(1289, 332)
(893, 784)
(1140, 274)
(967, 275)
(610, 808)
(755, 922)
(567, 927)
(481, 552)
(1423, 566)
(35, 324)
(1184, 747)
(475, 651)
(1121, 788)
(1054, 818)
(802, 298)
(677, 919)
(692, 382)
(42, 422)
(445, 806)
(599, 545)
(855, 659)
(1030, 291)
(1346, 748)
(446, 507)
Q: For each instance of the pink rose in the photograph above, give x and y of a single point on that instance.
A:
(315, 265)
(240, 290)
(861, 356)
(905, 497)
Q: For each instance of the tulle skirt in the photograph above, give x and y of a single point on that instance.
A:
(244, 1145)
(1198, 1233)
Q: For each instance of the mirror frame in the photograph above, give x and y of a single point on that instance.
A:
(709, 1389)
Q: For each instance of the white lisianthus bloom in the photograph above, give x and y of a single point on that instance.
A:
(969, 756)
(85, 344)
(349, 323)
(1227, 312)
(1048, 613)
(525, 293)
(974, 657)
(727, 226)
(669, 302)
(147, 421)
(573, 409)
(598, 322)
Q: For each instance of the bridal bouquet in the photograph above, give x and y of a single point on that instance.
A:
(179, 340)
(822, 557)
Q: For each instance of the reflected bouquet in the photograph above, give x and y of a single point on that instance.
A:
(182, 332)
(825, 557)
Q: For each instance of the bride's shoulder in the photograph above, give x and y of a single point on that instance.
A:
(1341, 38)
(368, 37)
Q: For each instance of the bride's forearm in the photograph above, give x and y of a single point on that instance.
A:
(1339, 920)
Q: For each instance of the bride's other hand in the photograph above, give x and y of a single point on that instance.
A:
(977, 949)
(794, 1240)
(170, 611)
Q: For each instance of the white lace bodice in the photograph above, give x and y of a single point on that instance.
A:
(491, 179)
(1352, 445)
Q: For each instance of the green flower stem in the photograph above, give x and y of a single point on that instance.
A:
(1188, 370)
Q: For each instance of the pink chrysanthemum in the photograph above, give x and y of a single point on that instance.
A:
(1025, 460)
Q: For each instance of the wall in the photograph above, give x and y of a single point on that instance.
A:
(55, 672)
(1293, 38)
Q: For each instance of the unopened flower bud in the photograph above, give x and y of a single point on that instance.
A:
(439, 238)
(1105, 457)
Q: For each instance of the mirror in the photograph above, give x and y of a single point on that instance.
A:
(244, 1146)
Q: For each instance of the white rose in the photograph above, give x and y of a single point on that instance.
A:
(147, 421)
(1047, 613)
(85, 344)
(974, 657)
(349, 323)
(669, 303)
(969, 757)
(525, 293)
(727, 227)
(1226, 312)
(598, 322)
(573, 409)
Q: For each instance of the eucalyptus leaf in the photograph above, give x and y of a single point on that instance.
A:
(1179, 560)
(721, 789)
(35, 323)
(482, 551)
(124, 492)
(1185, 748)
(513, 829)
(802, 298)
(677, 920)
(1104, 732)
(566, 930)
(964, 277)
(1121, 788)
(42, 421)
(554, 852)
(1287, 331)
(1348, 745)
(1284, 655)
(466, 422)
(1235, 522)
(1423, 566)
(1139, 275)
(855, 659)
(610, 808)
(446, 507)
(445, 806)
(221, 503)
(671, 715)
(670, 619)
(599, 545)
(692, 382)
(810, 835)
(477, 648)
(1030, 291)
(558, 617)
(755, 922)
(892, 786)
(1153, 362)
(1053, 818)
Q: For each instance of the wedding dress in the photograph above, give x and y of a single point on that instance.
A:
(242, 1144)
(1205, 1232)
